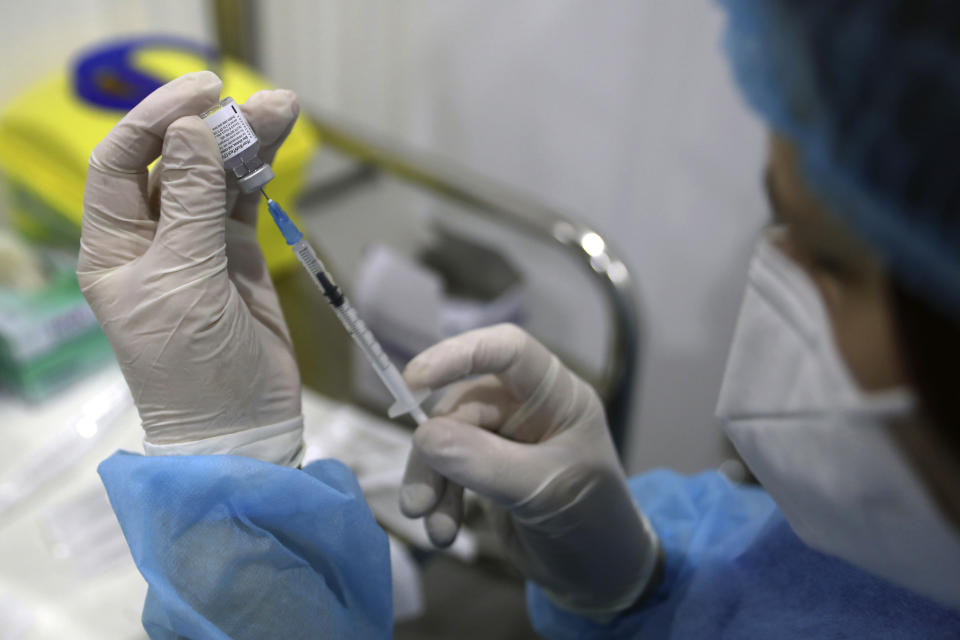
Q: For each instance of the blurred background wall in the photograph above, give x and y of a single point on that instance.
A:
(620, 112)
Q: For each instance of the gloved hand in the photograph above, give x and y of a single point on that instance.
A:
(531, 438)
(171, 267)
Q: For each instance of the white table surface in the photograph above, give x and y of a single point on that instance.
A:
(62, 573)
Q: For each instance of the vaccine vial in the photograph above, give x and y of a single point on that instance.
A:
(238, 144)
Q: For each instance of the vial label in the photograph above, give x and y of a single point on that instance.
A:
(231, 130)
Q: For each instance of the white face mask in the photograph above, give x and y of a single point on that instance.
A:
(820, 446)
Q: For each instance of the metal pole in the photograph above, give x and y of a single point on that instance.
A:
(235, 24)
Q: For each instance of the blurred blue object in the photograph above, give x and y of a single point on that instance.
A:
(107, 75)
(870, 94)
(232, 547)
(735, 569)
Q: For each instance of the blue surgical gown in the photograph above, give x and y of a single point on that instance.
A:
(735, 569)
(236, 548)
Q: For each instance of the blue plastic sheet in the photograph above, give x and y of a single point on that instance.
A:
(232, 547)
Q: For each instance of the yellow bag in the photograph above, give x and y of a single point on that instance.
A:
(48, 132)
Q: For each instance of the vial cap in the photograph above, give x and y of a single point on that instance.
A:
(255, 179)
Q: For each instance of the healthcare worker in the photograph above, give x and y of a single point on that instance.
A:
(839, 391)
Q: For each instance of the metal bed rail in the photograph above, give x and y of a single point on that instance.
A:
(485, 198)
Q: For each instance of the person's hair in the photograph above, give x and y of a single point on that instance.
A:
(869, 92)
(885, 92)
(930, 347)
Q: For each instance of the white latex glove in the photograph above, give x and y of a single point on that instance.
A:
(171, 267)
(530, 437)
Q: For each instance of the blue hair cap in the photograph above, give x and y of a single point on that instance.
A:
(869, 92)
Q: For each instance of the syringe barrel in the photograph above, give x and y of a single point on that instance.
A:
(308, 258)
(345, 311)
(363, 337)
(406, 401)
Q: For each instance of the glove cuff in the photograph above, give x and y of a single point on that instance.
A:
(647, 577)
(279, 443)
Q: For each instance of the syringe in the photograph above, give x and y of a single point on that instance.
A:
(405, 400)
(240, 150)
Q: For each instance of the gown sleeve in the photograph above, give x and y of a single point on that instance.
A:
(695, 517)
(733, 568)
(233, 547)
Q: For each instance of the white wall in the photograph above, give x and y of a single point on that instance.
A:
(620, 111)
